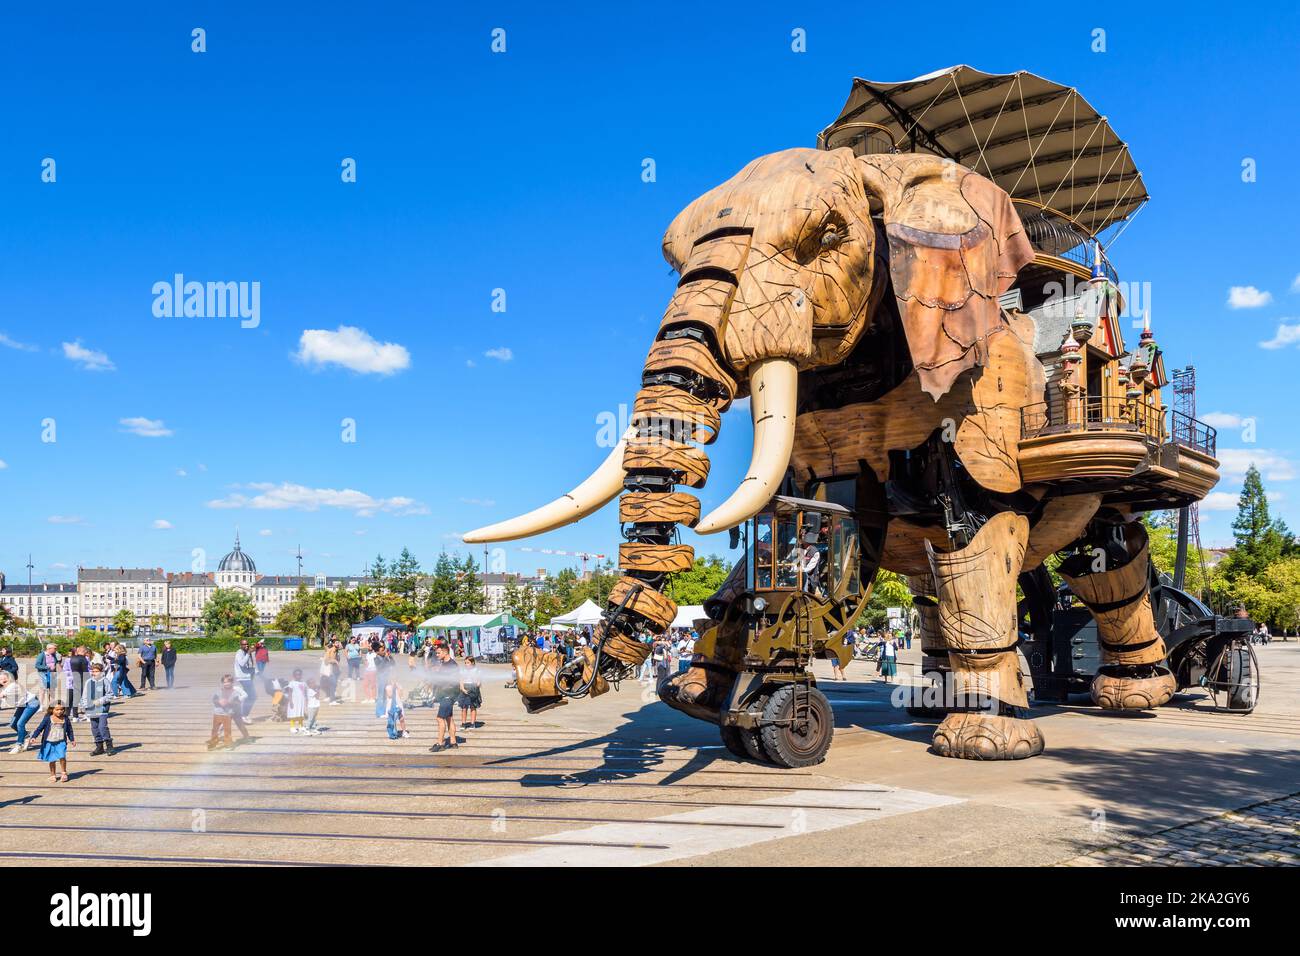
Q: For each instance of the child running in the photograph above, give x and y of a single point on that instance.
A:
(471, 693)
(55, 732)
(297, 695)
(313, 707)
(395, 711)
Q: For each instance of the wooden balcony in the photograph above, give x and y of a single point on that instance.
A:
(1120, 448)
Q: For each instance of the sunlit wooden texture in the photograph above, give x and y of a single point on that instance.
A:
(1130, 624)
(956, 244)
(785, 287)
(655, 607)
(646, 508)
(904, 549)
(982, 410)
(1080, 455)
(655, 558)
(689, 465)
(934, 650)
(976, 589)
(675, 413)
(1062, 521)
(1197, 473)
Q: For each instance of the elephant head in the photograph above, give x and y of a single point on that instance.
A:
(782, 268)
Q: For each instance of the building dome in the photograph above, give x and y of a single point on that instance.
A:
(237, 561)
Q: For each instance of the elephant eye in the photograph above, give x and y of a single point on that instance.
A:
(831, 238)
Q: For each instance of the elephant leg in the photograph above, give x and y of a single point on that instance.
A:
(1132, 674)
(932, 700)
(976, 592)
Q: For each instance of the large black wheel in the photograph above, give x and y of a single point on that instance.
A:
(731, 739)
(1243, 694)
(797, 726)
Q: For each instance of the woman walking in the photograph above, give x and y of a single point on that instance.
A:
(471, 693)
(55, 732)
(24, 703)
(889, 658)
(47, 665)
(169, 663)
(329, 669)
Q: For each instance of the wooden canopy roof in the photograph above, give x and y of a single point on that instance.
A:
(1038, 140)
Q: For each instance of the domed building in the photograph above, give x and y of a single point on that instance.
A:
(237, 570)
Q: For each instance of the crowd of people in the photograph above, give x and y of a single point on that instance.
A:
(78, 687)
(391, 671)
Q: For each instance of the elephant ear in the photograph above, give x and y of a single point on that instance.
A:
(955, 245)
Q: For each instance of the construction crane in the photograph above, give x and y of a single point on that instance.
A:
(1189, 521)
(584, 556)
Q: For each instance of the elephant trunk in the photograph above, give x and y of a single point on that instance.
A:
(686, 385)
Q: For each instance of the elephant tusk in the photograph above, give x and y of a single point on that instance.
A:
(597, 491)
(773, 389)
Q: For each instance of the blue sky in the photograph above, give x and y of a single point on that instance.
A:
(518, 171)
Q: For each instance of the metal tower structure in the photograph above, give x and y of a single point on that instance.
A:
(1189, 520)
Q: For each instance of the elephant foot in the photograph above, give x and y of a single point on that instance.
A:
(1133, 688)
(699, 691)
(975, 736)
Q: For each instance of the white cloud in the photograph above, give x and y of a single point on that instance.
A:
(1285, 335)
(9, 343)
(286, 496)
(1233, 463)
(265, 532)
(1247, 297)
(1222, 419)
(181, 473)
(3, 464)
(58, 566)
(162, 524)
(351, 348)
(64, 519)
(88, 359)
(1295, 284)
(359, 531)
(481, 502)
(1219, 501)
(502, 354)
(145, 427)
(470, 363)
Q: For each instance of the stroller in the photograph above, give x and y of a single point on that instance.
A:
(421, 695)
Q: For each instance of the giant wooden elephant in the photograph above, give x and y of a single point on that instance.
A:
(855, 301)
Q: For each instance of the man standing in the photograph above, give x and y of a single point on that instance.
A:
(446, 688)
(148, 660)
(245, 674)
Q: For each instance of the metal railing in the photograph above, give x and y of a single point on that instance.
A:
(1053, 233)
(1083, 413)
(1193, 433)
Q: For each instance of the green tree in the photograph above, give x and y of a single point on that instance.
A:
(470, 598)
(441, 597)
(1162, 535)
(888, 590)
(379, 571)
(230, 609)
(699, 582)
(124, 622)
(404, 574)
(1260, 539)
